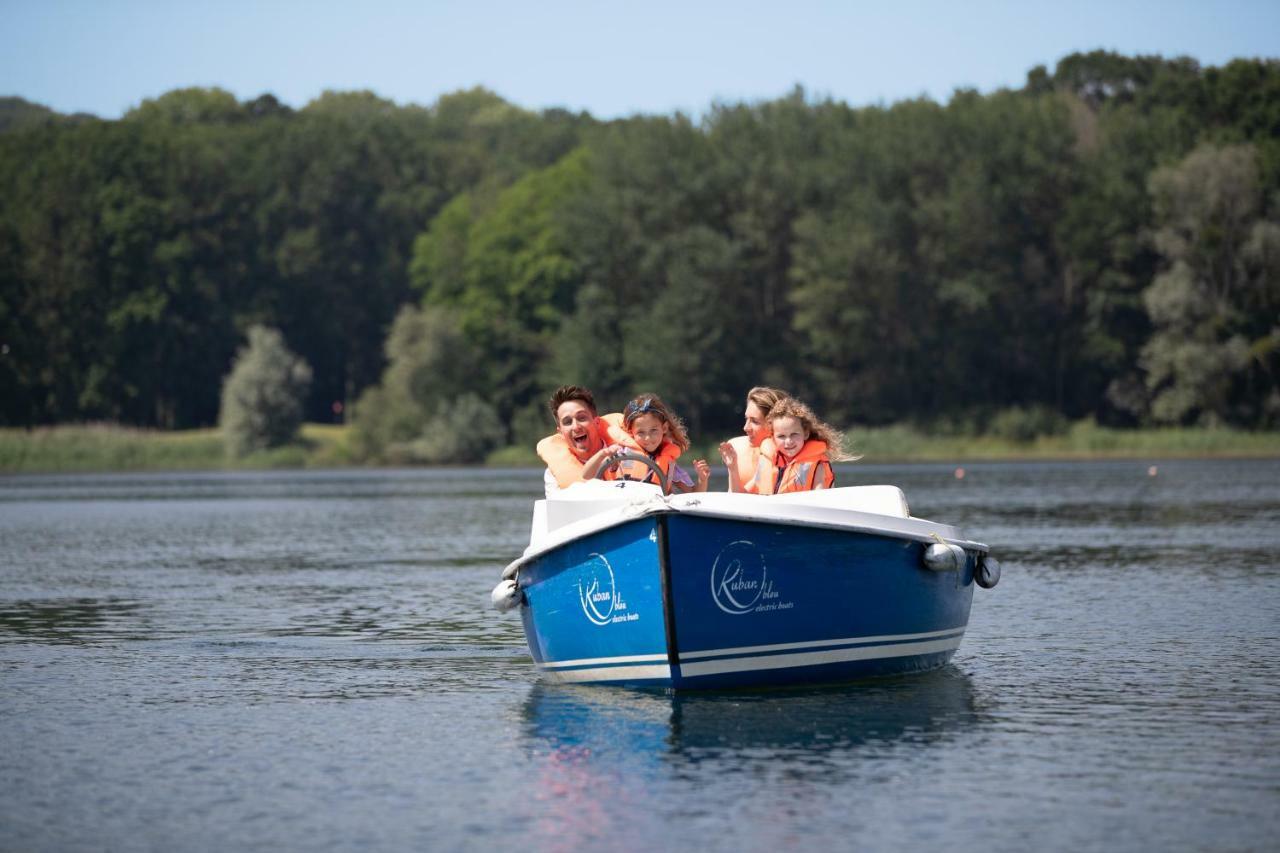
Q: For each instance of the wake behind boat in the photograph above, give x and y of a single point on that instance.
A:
(623, 585)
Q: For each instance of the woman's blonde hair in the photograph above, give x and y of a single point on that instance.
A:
(651, 404)
(790, 407)
(765, 398)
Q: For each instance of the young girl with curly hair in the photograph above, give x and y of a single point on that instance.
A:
(805, 447)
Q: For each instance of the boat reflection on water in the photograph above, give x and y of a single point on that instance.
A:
(875, 713)
(607, 760)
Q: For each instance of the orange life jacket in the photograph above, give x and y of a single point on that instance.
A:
(753, 477)
(665, 457)
(565, 465)
(809, 470)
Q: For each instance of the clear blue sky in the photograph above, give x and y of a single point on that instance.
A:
(608, 58)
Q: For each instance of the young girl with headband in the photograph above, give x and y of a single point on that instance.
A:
(662, 437)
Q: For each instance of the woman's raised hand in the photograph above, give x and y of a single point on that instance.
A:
(728, 454)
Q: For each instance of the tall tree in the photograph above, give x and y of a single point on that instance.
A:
(262, 397)
(1215, 308)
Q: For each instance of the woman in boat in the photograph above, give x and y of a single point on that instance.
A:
(805, 447)
(583, 440)
(662, 437)
(744, 455)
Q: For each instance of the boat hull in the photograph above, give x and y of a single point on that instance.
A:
(692, 602)
(594, 608)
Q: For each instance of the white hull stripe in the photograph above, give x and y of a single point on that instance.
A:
(613, 661)
(783, 661)
(751, 663)
(752, 658)
(823, 644)
(610, 673)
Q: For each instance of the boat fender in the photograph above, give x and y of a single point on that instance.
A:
(506, 596)
(987, 572)
(944, 557)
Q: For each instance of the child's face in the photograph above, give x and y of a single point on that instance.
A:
(789, 434)
(754, 426)
(577, 424)
(648, 430)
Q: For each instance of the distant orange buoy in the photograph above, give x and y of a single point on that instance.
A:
(959, 473)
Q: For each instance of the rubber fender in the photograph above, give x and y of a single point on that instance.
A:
(944, 557)
(987, 573)
(506, 596)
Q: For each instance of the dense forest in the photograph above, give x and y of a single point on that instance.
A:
(1102, 243)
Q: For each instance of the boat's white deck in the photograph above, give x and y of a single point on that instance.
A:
(586, 507)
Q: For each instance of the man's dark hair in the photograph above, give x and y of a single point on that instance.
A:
(565, 393)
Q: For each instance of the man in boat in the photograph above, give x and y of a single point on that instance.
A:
(583, 441)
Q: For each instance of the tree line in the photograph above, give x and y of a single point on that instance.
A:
(1103, 242)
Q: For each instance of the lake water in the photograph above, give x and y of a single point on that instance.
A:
(308, 661)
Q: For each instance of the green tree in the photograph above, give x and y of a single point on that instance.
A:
(464, 430)
(262, 397)
(989, 254)
(659, 273)
(504, 264)
(933, 280)
(1215, 308)
(425, 408)
(679, 340)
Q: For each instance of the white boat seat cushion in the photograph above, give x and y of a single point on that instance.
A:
(881, 500)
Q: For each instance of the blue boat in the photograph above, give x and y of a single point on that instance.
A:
(624, 585)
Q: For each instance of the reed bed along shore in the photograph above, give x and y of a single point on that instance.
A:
(109, 447)
(1082, 440)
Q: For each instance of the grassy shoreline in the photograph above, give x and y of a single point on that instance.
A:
(107, 447)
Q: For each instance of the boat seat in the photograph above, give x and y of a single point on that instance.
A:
(881, 500)
(585, 499)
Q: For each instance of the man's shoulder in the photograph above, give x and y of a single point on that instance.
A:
(613, 430)
(553, 442)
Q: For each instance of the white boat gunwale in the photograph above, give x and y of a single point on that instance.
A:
(777, 511)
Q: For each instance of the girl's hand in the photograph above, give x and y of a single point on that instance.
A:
(606, 457)
(704, 474)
